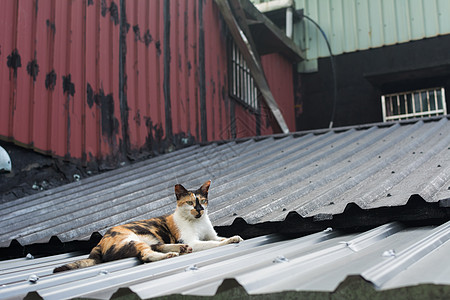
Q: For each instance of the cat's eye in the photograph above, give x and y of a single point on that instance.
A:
(203, 201)
(190, 203)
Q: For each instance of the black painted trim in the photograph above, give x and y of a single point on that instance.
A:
(167, 59)
(201, 71)
(124, 26)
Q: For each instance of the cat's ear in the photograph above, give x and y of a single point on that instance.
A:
(204, 188)
(180, 191)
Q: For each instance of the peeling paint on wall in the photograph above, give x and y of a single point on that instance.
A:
(50, 80)
(14, 61)
(33, 69)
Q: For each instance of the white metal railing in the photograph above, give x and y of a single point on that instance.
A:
(414, 104)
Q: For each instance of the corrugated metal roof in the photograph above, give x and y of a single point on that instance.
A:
(390, 256)
(316, 175)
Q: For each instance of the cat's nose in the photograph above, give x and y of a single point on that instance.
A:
(198, 207)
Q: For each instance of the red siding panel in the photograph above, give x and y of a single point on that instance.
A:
(90, 82)
(8, 81)
(45, 34)
(92, 57)
(279, 75)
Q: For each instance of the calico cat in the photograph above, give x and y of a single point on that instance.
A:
(187, 230)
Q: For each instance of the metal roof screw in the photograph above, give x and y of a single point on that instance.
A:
(44, 184)
(388, 195)
(33, 278)
(29, 256)
(392, 172)
(103, 272)
(389, 253)
(284, 209)
(329, 229)
(280, 259)
(439, 166)
(350, 245)
(76, 177)
(191, 268)
(35, 186)
(234, 214)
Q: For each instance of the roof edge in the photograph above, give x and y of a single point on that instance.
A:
(416, 212)
(354, 285)
(326, 130)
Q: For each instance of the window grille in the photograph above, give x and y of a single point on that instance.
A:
(242, 85)
(414, 104)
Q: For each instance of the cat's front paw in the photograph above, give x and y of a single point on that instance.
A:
(232, 240)
(184, 249)
(171, 254)
(151, 256)
(236, 239)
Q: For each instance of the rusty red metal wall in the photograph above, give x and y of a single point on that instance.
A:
(279, 75)
(99, 79)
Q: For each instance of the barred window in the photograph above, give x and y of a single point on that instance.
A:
(242, 86)
(414, 104)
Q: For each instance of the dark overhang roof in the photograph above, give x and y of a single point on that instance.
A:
(268, 37)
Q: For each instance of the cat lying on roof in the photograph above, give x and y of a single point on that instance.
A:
(187, 230)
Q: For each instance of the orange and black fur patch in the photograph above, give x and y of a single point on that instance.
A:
(149, 240)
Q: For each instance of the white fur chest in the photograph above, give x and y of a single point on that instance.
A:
(192, 230)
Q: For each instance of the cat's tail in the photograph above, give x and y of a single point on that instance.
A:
(82, 263)
(93, 259)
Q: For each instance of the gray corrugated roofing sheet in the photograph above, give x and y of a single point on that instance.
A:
(390, 256)
(257, 179)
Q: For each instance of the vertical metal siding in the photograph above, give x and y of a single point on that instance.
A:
(277, 70)
(90, 79)
(352, 25)
(216, 82)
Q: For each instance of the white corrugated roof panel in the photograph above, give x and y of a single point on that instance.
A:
(321, 263)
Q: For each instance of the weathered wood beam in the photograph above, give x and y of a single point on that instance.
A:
(242, 37)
